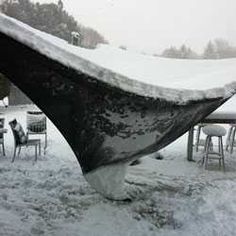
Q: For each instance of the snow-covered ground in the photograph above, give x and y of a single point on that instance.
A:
(171, 196)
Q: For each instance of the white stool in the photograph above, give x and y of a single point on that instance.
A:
(218, 132)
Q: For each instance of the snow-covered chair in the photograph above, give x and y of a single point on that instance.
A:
(20, 139)
(214, 131)
(36, 124)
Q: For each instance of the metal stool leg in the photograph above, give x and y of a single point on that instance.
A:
(228, 139)
(219, 145)
(222, 153)
(232, 140)
(208, 140)
(205, 148)
(198, 137)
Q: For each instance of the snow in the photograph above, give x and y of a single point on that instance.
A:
(109, 181)
(171, 79)
(170, 197)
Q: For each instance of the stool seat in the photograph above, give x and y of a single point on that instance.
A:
(214, 130)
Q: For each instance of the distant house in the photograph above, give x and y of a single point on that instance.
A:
(75, 38)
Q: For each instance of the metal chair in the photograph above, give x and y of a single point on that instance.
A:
(36, 124)
(20, 139)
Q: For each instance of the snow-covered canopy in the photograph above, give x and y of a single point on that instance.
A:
(171, 79)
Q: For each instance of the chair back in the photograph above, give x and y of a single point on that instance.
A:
(36, 122)
(12, 125)
(18, 133)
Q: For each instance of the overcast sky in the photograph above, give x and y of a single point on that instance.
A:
(152, 25)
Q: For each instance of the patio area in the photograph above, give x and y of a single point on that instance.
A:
(170, 197)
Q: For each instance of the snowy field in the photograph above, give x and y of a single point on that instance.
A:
(171, 196)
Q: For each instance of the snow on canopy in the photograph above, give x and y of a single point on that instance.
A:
(175, 80)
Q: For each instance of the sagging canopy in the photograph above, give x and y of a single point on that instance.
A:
(107, 113)
(4, 86)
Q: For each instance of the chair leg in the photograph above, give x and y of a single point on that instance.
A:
(46, 143)
(36, 157)
(19, 151)
(39, 148)
(14, 155)
(3, 150)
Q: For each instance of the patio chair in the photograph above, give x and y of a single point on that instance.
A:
(20, 139)
(2, 121)
(36, 124)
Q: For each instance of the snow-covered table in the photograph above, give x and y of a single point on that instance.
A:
(217, 117)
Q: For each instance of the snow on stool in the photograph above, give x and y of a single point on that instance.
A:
(214, 131)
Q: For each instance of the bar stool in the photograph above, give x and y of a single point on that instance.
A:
(214, 131)
(230, 138)
(199, 141)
